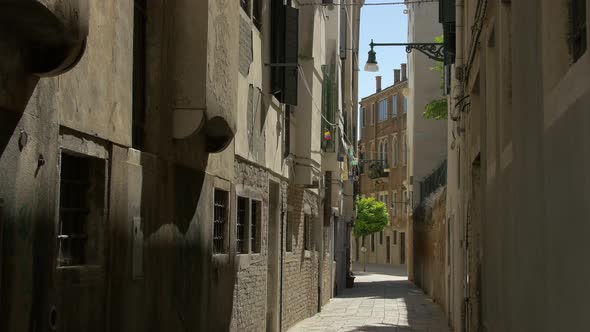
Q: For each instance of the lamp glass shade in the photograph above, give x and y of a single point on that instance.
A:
(371, 67)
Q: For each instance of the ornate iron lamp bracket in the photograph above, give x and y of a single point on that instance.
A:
(434, 51)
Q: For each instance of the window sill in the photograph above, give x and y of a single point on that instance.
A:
(220, 258)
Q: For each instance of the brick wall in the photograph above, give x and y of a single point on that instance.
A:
(300, 288)
(249, 305)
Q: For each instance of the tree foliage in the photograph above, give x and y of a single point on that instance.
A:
(437, 109)
(372, 216)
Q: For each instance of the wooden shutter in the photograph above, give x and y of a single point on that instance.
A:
(291, 55)
(447, 18)
(285, 51)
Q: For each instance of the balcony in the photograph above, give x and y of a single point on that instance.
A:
(378, 169)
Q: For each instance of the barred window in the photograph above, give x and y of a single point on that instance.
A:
(81, 210)
(242, 217)
(255, 209)
(220, 221)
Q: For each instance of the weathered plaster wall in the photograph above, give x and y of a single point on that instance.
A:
(430, 248)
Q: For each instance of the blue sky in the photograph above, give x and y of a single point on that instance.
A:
(383, 24)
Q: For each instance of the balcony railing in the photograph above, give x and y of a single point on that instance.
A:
(378, 169)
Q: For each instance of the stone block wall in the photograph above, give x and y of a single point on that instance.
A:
(249, 304)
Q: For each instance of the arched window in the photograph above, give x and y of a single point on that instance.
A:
(386, 153)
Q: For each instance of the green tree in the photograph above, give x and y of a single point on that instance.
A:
(372, 216)
(437, 109)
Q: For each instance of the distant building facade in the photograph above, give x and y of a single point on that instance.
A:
(383, 161)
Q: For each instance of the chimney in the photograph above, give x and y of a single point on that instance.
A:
(378, 81)
(395, 76)
(404, 72)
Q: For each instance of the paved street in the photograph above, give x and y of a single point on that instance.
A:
(382, 300)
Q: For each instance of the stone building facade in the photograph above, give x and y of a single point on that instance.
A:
(159, 167)
(383, 168)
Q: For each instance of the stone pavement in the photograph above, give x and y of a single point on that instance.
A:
(382, 300)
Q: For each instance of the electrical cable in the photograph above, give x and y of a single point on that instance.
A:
(369, 4)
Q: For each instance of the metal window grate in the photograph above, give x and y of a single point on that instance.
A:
(219, 221)
(254, 220)
(241, 225)
(80, 202)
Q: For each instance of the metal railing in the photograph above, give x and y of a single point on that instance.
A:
(377, 169)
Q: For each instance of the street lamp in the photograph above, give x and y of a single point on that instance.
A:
(371, 64)
(434, 51)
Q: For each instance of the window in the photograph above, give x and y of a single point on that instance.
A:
(245, 4)
(405, 104)
(220, 221)
(383, 153)
(307, 233)
(241, 223)
(248, 226)
(139, 74)
(363, 240)
(362, 159)
(363, 114)
(395, 151)
(578, 38)
(382, 110)
(381, 237)
(394, 203)
(356, 248)
(372, 115)
(394, 106)
(394, 237)
(255, 216)
(257, 13)
(384, 197)
(81, 210)
(373, 242)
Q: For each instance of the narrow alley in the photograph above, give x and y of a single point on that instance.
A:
(382, 299)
